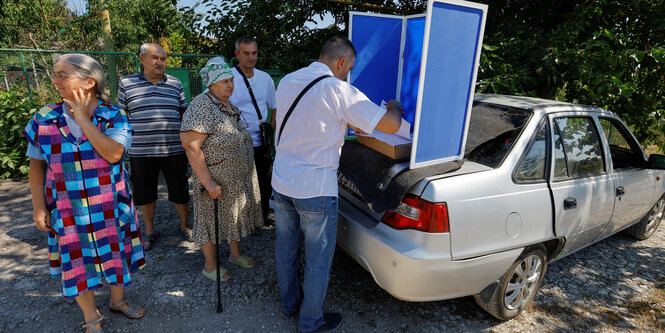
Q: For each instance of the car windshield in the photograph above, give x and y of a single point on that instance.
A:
(492, 131)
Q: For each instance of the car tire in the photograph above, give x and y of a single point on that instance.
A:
(515, 291)
(649, 223)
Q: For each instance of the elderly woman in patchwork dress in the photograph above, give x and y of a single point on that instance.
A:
(219, 149)
(80, 191)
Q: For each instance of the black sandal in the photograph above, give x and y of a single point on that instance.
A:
(149, 241)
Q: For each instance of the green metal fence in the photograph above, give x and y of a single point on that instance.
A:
(30, 70)
(186, 68)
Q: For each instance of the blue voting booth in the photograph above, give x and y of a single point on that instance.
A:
(429, 63)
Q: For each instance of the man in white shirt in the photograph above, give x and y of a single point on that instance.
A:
(305, 175)
(263, 89)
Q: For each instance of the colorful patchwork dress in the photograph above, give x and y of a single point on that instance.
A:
(95, 233)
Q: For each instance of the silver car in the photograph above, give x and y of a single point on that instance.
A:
(541, 179)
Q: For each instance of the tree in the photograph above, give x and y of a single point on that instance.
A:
(603, 53)
(597, 52)
(285, 42)
(135, 22)
(33, 23)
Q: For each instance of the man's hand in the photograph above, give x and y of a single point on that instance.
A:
(42, 218)
(392, 119)
(393, 104)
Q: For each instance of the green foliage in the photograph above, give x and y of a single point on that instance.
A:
(15, 112)
(597, 52)
(50, 24)
(603, 53)
(134, 22)
(24, 23)
(284, 29)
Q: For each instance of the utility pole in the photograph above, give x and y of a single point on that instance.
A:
(108, 46)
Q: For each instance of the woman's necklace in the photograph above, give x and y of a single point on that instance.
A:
(226, 105)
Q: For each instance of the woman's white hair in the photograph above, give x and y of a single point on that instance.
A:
(85, 67)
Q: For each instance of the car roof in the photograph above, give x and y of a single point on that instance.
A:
(535, 104)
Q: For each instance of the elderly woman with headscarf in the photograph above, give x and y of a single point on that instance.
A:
(219, 149)
(80, 189)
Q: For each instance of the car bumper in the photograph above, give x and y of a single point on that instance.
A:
(413, 265)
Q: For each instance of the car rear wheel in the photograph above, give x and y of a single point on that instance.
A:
(518, 286)
(649, 223)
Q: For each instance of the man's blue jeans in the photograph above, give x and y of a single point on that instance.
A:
(316, 220)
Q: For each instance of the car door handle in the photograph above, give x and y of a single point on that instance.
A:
(570, 203)
(620, 191)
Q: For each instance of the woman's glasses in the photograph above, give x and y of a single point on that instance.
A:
(60, 76)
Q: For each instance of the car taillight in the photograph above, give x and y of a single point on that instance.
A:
(416, 213)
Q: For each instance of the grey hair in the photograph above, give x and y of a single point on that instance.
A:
(245, 40)
(85, 67)
(143, 49)
(337, 47)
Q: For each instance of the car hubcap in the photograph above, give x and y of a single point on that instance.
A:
(655, 216)
(523, 282)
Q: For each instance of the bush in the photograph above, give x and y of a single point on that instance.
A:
(16, 109)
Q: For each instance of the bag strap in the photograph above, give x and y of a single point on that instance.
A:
(295, 102)
(251, 94)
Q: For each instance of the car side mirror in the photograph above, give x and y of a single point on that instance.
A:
(656, 161)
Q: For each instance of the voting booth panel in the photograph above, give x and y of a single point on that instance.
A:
(433, 74)
(412, 56)
(377, 63)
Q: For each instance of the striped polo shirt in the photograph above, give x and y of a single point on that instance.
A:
(154, 113)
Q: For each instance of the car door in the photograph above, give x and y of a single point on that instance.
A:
(633, 182)
(582, 189)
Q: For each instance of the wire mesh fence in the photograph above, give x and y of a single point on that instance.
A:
(30, 71)
(186, 68)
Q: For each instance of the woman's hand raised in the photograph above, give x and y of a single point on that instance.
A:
(80, 106)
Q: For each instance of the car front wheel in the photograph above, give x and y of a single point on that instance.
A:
(518, 286)
(649, 223)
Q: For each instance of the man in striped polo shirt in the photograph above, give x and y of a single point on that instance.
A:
(155, 103)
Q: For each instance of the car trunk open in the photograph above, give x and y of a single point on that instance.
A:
(380, 182)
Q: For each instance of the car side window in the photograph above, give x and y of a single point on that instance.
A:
(578, 152)
(560, 168)
(625, 152)
(532, 167)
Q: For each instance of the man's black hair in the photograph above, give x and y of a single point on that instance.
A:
(244, 40)
(337, 47)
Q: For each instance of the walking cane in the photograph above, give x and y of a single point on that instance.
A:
(219, 293)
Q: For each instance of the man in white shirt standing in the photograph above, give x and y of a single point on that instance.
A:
(263, 89)
(308, 147)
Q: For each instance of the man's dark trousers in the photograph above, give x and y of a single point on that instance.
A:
(263, 163)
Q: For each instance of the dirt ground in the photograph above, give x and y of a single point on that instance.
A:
(617, 285)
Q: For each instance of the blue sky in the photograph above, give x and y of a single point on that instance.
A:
(79, 6)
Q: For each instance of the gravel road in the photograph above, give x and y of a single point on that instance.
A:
(617, 285)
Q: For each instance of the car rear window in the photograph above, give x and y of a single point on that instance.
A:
(492, 131)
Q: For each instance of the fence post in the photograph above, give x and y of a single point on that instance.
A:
(34, 71)
(108, 46)
(25, 75)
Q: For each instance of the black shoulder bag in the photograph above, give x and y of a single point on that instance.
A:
(295, 102)
(266, 131)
